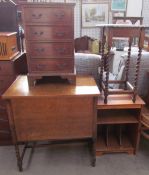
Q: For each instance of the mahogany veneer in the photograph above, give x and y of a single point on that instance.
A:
(49, 30)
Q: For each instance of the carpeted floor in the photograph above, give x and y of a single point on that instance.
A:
(74, 160)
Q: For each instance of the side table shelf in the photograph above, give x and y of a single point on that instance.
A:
(118, 125)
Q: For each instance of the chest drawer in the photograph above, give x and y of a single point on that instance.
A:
(5, 135)
(3, 110)
(51, 66)
(2, 104)
(4, 125)
(50, 50)
(6, 68)
(49, 33)
(52, 15)
(5, 82)
(3, 114)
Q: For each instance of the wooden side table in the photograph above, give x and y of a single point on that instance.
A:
(52, 111)
(109, 31)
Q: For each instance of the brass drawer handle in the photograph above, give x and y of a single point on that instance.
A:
(38, 33)
(39, 49)
(61, 50)
(60, 34)
(59, 15)
(37, 16)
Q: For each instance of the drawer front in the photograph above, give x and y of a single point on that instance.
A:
(5, 82)
(5, 135)
(3, 111)
(4, 125)
(2, 103)
(6, 68)
(51, 66)
(49, 33)
(64, 118)
(3, 114)
(54, 15)
(50, 50)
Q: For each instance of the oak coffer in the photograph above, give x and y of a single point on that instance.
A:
(55, 111)
(49, 32)
(8, 45)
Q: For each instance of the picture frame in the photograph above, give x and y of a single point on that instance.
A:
(94, 13)
(118, 14)
(118, 5)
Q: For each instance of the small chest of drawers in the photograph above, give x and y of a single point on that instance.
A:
(49, 31)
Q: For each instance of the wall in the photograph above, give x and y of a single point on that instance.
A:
(145, 12)
(135, 12)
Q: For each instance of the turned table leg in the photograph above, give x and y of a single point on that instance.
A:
(18, 156)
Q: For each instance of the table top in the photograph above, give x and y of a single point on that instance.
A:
(85, 86)
(121, 26)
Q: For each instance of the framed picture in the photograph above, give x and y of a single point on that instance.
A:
(118, 5)
(93, 14)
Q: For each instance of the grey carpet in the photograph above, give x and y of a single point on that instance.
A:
(74, 159)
